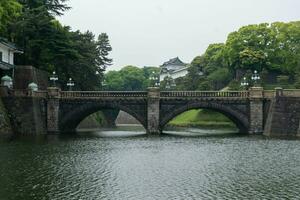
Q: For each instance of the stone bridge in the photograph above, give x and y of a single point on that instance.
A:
(256, 111)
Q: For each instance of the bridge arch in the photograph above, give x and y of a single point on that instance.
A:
(70, 119)
(240, 119)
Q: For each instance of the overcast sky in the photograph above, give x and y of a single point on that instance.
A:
(150, 32)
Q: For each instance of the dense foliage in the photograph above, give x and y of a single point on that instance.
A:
(49, 46)
(130, 78)
(9, 11)
(271, 49)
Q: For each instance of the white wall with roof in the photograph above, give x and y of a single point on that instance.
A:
(175, 74)
(7, 54)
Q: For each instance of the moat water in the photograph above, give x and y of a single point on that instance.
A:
(126, 164)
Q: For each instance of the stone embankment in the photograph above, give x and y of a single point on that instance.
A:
(5, 126)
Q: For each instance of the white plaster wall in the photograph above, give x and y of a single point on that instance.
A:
(11, 61)
(174, 75)
(174, 67)
(179, 74)
(4, 51)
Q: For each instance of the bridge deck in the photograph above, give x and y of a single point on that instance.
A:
(267, 94)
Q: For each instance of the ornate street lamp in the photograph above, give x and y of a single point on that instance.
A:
(170, 83)
(245, 83)
(33, 87)
(154, 80)
(70, 84)
(54, 78)
(255, 77)
(7, 81)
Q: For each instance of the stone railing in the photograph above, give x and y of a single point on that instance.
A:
(28, 93)
(291, 93)
(216, 94)
(269, 94)
(19, 93)
(40, 94)
(96, 94)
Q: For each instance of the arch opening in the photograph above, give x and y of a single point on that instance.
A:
(208, 119)
(95, 118)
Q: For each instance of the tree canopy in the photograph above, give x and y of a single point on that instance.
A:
(130, 78)
(49, 46)
(267, 48)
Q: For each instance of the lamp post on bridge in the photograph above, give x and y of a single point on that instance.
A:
(154, 79)
(255, 77)
(54, 94)
(54, 78)
(170, 83)
(70, 84)
(245, 83)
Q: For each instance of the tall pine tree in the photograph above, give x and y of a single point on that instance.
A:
(103, 48)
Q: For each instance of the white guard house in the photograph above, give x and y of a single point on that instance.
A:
(174, 68)
(7, 51)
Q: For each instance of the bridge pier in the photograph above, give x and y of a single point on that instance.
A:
(153, 106)
(53, 110)
(256, 110)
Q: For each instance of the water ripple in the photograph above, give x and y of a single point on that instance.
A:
(150, 168)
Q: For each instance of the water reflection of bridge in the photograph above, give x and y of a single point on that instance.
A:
(253, 111)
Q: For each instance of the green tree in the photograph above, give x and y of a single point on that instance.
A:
(9, 11)
(103, 48)
(53, 7)
(51, 47)
(248, 42)
(219, 78)
(133, 77)
(129, 78)
(213, 58)
(148, 73)
(264, 46)
(113, 81)
(208, 71)
(194, 74)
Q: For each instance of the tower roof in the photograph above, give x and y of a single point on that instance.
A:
(174, 61)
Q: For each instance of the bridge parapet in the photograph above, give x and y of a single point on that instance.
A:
(204, 94)
(26, 93)
(269, 94)
(97, 94)
(266, 94)
(291, 93)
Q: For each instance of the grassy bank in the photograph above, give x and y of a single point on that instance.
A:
(201, 118)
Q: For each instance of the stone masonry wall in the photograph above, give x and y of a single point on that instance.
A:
(5, 126)
(284, 117)
(27, 115)
(24, 75)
